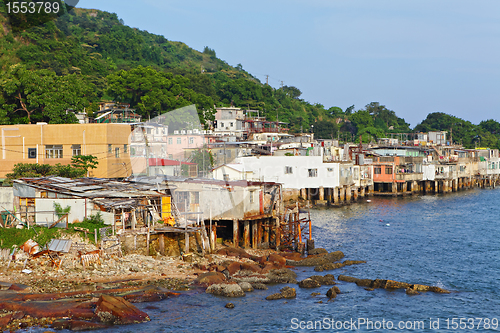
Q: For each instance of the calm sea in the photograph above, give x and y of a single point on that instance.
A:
(450, 241)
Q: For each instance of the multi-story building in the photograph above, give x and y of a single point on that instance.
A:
(56, 143)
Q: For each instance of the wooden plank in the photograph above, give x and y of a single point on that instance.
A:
(60, 219)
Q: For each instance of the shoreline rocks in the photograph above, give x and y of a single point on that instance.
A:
(391, 285)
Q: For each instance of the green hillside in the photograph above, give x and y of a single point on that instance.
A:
(81, 57)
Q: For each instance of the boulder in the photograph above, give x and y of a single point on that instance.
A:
(331, 266)
(317, 260)
(283, 275)
(317, 250)
(410, 291)
(364, 283)
(347, 278)
(259, 286)
(226, 290)
(288, 292)
(285, 292)
(277, 259)
(210, 278)
(333, 292)
(233, 267)
(245, 286)
(230, 305)
(274, 296)
(234, 252)
(396, 285)
(328, 279)
(318, 269)
(250, 267)
(309, 283)
(78, 325)
(116, 310)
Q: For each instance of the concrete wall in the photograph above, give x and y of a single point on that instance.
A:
(45, 212)
(7, 198)
(273, 168)
(94, 139)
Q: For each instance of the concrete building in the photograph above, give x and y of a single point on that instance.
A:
(56, 143)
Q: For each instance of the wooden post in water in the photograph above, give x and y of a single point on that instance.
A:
(246, 234)
(161, 243)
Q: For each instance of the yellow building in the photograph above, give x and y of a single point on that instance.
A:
(56, 143)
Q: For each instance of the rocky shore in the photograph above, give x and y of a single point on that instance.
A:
(102, 295)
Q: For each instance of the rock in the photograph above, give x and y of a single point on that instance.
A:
(333, 292)
(331, 266)
(210, 278)
(410, 291)
(77, 325)
(317, 260)
(283, 275)
(234, 252)
(364, 283)
(309, 283)
(328, 279)
(285, 292)
(259, 286)
(233, 267)
(319, 269)
(396, 285)
(317, 250)
(116, 310)
(245, 286)
(277, 259)
(439, 290)
(347, 278)
(250, 267)
(315, 294)
(291, 255)
(230, 306)
(275, 296)
(353, 262)
(5, 320)
(226, 290)
(288, 292)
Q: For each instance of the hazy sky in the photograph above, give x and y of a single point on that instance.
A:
(413, 56)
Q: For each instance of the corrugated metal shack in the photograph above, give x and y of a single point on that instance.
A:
(247, 213)
(122, 204)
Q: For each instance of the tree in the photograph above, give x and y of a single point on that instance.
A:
(292, 92)
(39, 95)
(84, 162)
(204, 158)
(154, 93)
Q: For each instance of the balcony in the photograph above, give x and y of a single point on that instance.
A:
(408, 177)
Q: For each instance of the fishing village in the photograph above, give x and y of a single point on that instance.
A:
(150, 221)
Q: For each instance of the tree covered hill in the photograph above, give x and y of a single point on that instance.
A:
(86, 56)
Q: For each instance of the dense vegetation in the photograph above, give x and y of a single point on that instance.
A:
(86, 56)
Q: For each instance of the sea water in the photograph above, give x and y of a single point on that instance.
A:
(450, 241)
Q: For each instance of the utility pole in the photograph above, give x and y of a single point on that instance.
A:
(282, 85)
(267, 79)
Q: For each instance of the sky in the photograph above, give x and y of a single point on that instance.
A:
(413, 56)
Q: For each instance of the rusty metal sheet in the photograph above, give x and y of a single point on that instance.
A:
(60, 245)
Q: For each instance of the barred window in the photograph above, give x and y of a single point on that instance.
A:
(54, 151)
(76, 149)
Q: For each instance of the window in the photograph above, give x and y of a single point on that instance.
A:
(31, 152)
(288, 170)
(53, 151)
(170, 141)
(179, 141)
(125, 149)
(251, 196)
(226, 177)
(231, 124)
(221, 124)
(195, 198)
(76, 149)
(313, 172)
(191, 140)
(117, 152)
(388, 170)
(377, 170)
(110, 149)
(170, 156)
